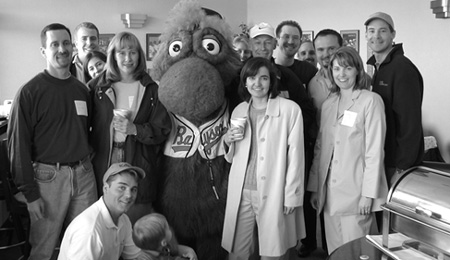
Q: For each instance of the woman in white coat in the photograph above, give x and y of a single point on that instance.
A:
(265, 185)
(347, 176)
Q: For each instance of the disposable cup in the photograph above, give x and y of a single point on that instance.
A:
(122, 112)
(238, 122)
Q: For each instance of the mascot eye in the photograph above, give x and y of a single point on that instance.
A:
(211, 46)
(175, 48)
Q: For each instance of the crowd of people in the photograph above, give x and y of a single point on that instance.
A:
(320, 138)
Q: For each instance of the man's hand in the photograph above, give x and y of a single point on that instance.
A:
(36, 209)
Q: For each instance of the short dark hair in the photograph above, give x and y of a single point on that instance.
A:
(250, 69)
(53, 27)
(348, 56)
(88, 25)
(119, 41)
(289, 23)
(89, 56)
(327, 32)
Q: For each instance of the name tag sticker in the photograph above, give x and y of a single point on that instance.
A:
(81, 107)
(130, 101)
(349, 118)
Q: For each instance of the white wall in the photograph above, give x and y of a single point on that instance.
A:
(426, 42)
(21, 22)
(426, 39)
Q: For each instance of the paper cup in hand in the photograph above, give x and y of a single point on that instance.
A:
(122, 112)
(238, 122)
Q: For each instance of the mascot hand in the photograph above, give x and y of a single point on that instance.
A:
(123, 125)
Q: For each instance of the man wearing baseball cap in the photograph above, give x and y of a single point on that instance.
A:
(398, 81)
(103, 231)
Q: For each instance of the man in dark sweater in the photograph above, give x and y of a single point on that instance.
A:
(48, 145)
(400, 84)
(289, 34)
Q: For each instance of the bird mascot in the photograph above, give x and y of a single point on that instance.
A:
(195, 65)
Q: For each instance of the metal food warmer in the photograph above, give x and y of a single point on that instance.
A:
(418, 206)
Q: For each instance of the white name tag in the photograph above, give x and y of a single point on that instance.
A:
(349, 118)
(130, 101)
(81, 107)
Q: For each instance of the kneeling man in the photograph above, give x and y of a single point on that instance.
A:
(103, 231)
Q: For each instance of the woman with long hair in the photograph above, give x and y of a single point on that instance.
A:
(94, 65)
(128, 121)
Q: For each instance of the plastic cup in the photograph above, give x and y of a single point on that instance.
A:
(122, 112)
(238, 122)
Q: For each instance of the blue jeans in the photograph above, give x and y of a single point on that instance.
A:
(66, 192)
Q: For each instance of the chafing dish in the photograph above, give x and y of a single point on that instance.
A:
(418, 206)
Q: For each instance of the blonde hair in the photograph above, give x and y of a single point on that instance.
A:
(121, 40)
(149, 231)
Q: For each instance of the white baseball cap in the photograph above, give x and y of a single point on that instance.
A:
(262, 29)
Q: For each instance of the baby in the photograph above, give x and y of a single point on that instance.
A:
(153, 235)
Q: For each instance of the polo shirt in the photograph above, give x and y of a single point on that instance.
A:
(93, 235)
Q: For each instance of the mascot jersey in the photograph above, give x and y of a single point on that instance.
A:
(186, 138)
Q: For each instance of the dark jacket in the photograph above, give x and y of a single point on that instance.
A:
(398, 81)
(153, 126)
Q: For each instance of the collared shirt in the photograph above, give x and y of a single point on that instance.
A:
(319, 90)
(186, 138)
(79, 69)
(93, 235)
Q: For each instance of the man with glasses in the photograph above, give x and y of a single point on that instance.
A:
(263, 43)
(289, 34)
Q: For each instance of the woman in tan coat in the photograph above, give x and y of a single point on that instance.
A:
(347, 176)
(265, 185)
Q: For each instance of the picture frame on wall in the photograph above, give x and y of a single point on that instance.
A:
(103, 41)
(308, 35)
(351, 38)
(152, 41)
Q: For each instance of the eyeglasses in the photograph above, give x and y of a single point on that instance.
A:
(286, 37)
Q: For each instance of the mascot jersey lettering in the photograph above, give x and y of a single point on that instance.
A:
(186, 138)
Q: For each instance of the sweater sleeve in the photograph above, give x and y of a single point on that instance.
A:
(20, 130)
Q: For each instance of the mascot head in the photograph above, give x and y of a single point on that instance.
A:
(195, 62)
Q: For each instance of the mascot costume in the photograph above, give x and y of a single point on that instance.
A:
(195, 66)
